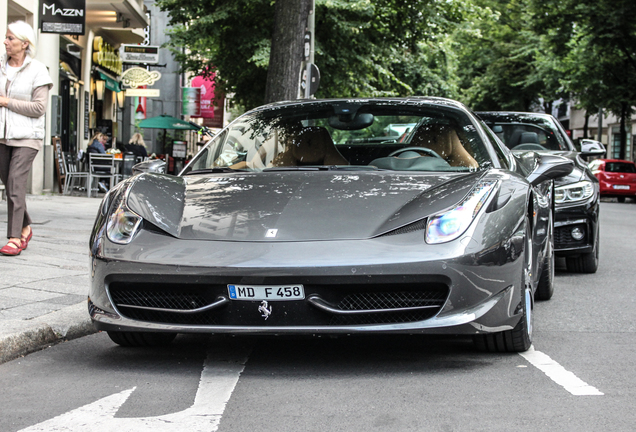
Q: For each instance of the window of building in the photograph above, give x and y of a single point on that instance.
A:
(616, 144)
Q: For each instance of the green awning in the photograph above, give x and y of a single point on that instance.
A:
(111, 84)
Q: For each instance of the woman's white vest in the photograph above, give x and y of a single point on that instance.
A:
(31, 75)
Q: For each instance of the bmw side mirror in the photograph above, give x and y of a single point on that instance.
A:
(592, 148)
(152, 165)
(550, 167)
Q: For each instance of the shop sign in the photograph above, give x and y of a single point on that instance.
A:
(63, 16)
(143, 92)
(139, 54)
(106, 56)
(191, 97)
(211, 102)
(137, 77)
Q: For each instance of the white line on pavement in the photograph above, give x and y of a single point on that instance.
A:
(218, 379)
(559, 374)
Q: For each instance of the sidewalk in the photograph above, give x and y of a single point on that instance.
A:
(43, 291)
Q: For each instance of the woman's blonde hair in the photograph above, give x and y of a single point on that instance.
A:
(25, 33)
(98, 136)
(137, 139)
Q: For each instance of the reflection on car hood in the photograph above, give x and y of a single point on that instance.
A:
(293, 206)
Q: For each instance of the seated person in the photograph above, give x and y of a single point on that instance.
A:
(137, 146)
(444, 141)
(311, 146)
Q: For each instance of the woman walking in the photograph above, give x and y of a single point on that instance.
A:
(24, 94)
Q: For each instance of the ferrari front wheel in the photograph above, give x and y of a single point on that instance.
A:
(519, 339)
(140, 339)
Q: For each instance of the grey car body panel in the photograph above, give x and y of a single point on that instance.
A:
(244, 206)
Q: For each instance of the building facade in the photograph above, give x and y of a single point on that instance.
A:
(85, 69)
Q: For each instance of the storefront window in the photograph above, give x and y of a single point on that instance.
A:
(616, 143)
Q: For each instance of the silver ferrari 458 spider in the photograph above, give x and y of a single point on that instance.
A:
(346, 216)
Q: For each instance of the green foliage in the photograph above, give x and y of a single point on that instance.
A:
(363, 47)
(502, 60)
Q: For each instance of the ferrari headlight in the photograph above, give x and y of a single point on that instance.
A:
(122, 224)
(573, 192)
(453, 223)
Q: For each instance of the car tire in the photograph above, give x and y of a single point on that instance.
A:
(519, 339)
(620, 199)
(140, 339)
(585, 263)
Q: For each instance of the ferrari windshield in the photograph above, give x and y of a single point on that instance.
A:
(378, 135)
(525, 131)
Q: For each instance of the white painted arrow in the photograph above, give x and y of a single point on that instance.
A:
(218, 379)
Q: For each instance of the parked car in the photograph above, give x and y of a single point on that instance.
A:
(577, 197)
(617, 178)
(296, 218)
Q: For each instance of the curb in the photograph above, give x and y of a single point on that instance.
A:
(68, 323)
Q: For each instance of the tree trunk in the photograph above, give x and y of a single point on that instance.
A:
(285, 58)
(586, 124)
(623, 134)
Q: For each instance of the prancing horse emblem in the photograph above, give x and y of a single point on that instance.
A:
(265, 309)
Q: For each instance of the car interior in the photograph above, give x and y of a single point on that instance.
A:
(360, 139)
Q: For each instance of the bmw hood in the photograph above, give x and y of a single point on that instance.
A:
(293, 206)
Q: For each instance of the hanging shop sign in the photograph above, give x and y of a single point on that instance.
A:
(191, 101)
(139, 54)
(106, 56)
(136, 77)
(209, 109)
(143, 93)
(63, 16)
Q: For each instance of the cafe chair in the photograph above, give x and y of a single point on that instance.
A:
(101, 167)
(72, 174)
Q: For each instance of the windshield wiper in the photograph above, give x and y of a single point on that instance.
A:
(214, 170)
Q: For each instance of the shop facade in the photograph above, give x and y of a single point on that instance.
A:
(86, 72)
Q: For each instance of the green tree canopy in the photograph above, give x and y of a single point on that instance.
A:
(363, 47)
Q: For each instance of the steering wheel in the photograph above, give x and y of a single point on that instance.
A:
(421, 150)
(529, 146)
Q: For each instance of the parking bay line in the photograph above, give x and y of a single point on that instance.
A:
(218, 379)
(559, 374)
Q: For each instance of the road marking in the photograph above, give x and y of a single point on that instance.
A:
(218, 380)
(559, 374)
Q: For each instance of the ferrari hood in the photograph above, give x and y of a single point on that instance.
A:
(293, 206)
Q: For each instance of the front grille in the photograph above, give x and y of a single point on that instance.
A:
(391, 300)
(181, 297)
(563, 236)
(163, 296)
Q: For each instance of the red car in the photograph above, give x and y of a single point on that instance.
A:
(617, 178)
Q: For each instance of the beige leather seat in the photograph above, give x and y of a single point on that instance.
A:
(444, 140)
(312, 146)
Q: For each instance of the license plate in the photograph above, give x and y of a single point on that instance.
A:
(626, 187)
(266, 292)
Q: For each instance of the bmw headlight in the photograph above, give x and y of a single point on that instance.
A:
(123, 223)
(453, 223)
(573, 192)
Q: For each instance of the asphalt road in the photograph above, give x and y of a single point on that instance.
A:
(579, 378)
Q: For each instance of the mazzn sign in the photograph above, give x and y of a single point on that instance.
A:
(63, 16)
(139, 54)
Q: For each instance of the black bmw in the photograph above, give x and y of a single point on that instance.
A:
(576, 198)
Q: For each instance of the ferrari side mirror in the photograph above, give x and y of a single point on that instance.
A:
(550, 167)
